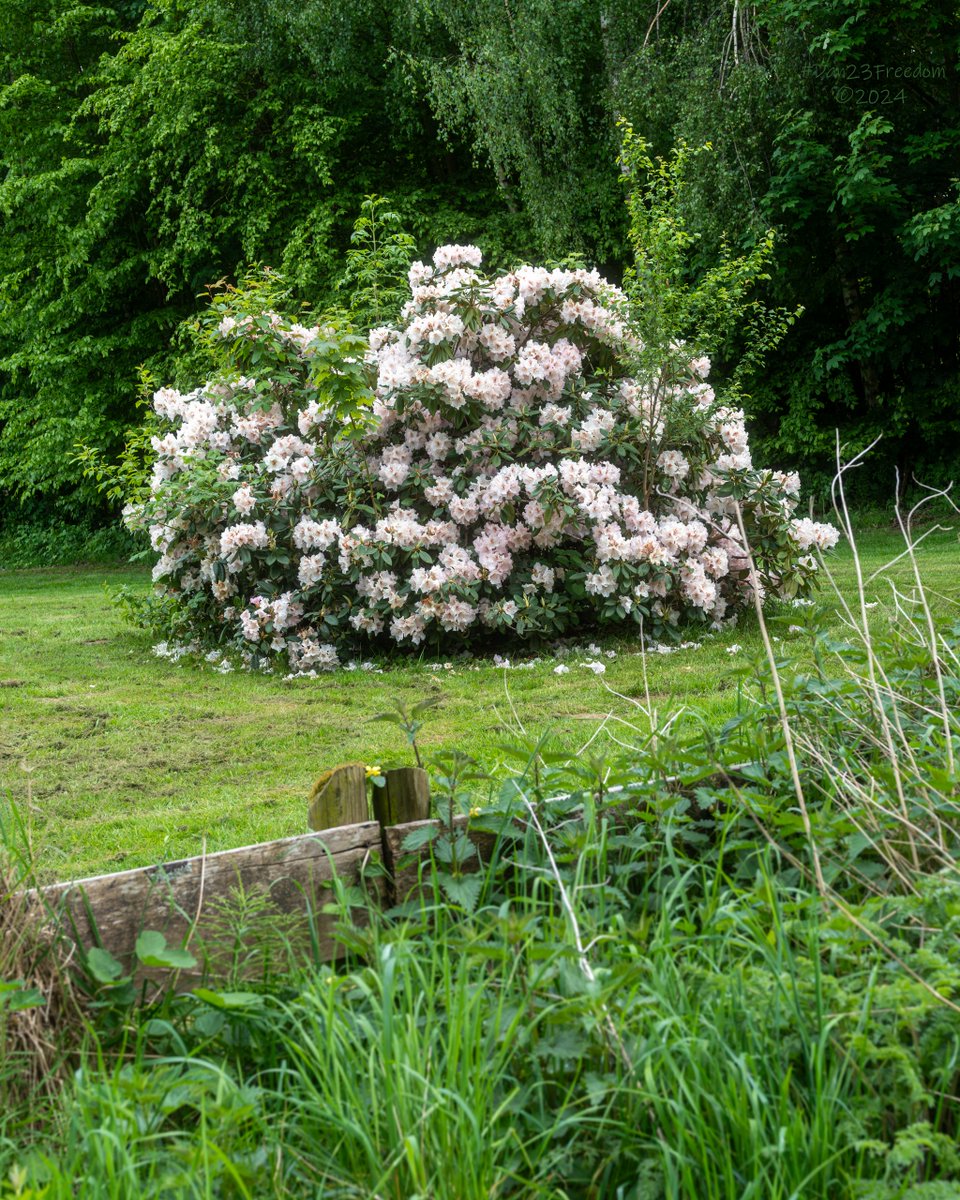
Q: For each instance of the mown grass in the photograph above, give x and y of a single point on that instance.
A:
(118, 758)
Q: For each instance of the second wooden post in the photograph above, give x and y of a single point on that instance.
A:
(405, 797)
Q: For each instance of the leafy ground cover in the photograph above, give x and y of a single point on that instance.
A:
(119, 758)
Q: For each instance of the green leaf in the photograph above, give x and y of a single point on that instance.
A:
(15, 997)
(209, 1023)
(419, 838)
(153, 951)
(463, 889)
(458, 849)
(565, 1044)
(393, 718)
(230, 1000)
(103, 966)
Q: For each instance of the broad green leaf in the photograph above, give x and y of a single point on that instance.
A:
(230, 1000)
(103, 966)
(153, 951)
(418, 838)
(209, 1023)
(393, 718)
(15, 997)
(463, 889)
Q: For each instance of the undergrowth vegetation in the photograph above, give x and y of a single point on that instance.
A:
(26, 543)
(714, 964)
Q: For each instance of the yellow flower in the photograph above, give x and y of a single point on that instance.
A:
(372, 771)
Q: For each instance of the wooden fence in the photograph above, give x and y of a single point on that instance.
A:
(182, 899)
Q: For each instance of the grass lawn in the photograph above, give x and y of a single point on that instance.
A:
(119, 758)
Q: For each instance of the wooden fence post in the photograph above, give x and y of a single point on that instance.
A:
(405, 796)
(339, 797)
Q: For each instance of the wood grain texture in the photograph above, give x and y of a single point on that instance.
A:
(339, 798)
(170, 897)
(405, 796)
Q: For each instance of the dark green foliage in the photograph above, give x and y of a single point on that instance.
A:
(703, 310)
(840, 126)
(530, 86)
(26, 542)
(135, 173)
(69, 343)
(378, 260)
(148, 150)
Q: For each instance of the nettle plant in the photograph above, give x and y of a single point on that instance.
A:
(499, 463)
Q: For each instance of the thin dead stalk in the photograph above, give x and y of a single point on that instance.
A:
(781, 707)
(906, 530)
(843, 513)
(583, 960)
(831, 897)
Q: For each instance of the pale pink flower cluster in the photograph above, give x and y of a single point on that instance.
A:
(434, 328)
(244, 500)
(236, 537)
(505, 485)
(446, 257)
(673, 464)
(309, 534)
(589, 436)
(806, 534)
(538, 362)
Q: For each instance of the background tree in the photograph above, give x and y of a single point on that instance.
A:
(68, 344)
(212, 135)
(147, 150)
(839, 124)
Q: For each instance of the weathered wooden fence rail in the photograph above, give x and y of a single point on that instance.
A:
(181, 898)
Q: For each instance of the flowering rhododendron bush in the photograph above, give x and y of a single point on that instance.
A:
(495, 467)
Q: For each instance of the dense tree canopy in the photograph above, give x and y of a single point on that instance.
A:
(838, 124)
(148, 149)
